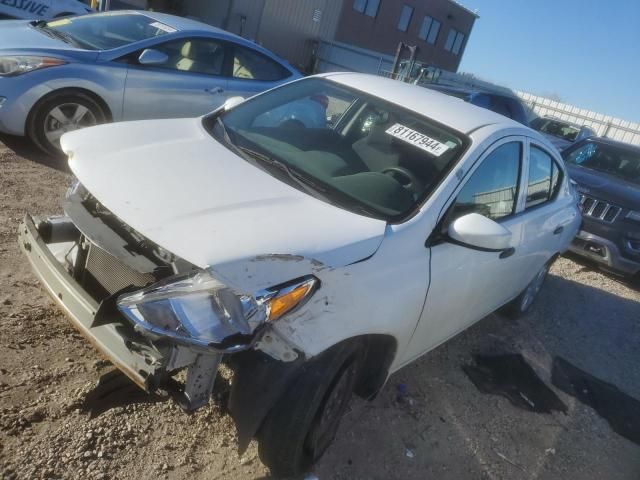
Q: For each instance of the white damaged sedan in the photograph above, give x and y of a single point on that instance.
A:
(315, 258)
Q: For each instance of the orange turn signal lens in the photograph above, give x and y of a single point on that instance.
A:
(288, 300)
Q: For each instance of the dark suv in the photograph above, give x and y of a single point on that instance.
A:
(607, 174)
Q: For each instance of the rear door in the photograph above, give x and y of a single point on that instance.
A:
(190, 83)
(544, 231)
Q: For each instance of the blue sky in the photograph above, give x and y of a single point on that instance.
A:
(585, 51)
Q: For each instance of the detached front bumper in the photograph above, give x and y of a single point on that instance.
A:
(141, 361)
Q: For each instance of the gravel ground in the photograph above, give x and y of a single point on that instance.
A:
(440, 427)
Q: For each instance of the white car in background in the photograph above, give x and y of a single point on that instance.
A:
(314, 258)
(42, 9)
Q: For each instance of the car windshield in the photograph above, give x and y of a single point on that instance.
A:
(558, 129)
(104, 31)
(354, 150)
(620, 162)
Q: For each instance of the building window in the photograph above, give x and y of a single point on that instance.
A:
(368, 7)
(454, 41)
(405, 18)
(429, 30)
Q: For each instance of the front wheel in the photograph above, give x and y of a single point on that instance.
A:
(303, 423)
(59, 114)
(522, 303)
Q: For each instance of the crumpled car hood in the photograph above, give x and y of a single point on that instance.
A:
(175, 184)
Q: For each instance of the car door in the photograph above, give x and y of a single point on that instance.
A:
(190, 83)
(547, 221)
(466, 284)
(253, 72)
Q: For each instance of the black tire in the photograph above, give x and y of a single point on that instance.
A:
(300, 427)
(523, 302)
(39, 118)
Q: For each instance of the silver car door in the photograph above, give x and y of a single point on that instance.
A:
(188, 84)
(548, 221)
(467, 284)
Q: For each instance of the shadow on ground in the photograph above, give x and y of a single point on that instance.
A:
(631, 282)
(448, 429)
(23, 147)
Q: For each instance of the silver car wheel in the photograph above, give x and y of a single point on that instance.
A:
(66, 118)
(533, 288)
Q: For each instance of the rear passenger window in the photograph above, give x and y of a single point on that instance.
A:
(492, 190)
(544, 178)
(251, 65)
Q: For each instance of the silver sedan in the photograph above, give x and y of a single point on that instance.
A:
(70, 73)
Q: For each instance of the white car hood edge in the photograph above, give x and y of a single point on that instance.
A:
(176, 185)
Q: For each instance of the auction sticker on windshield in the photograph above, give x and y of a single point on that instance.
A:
(417, 139)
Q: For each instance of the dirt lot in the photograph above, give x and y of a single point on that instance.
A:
(430, 421)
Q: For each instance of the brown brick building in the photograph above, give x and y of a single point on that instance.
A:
(439, 28)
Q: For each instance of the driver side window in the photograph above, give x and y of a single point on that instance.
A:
(194, 55)
(492, 190)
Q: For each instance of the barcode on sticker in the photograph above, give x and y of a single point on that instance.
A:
(417, 139)
(163, 27)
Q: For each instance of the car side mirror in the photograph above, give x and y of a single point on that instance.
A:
(232, 102)
(479, 232)
(152, 57)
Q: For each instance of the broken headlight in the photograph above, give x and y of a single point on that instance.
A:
(199, 311)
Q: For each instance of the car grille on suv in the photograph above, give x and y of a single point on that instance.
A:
(598, 209)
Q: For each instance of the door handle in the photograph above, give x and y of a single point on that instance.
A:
(214, 90)
(507, 252)
(558, 230)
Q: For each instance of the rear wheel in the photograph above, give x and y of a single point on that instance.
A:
(59, 114)
(302, 425)
(522, 303)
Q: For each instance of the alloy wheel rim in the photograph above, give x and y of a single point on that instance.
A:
(64, 118)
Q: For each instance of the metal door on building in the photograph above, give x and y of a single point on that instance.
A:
(290, 27)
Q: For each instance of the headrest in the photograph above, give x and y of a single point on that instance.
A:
(189, 50)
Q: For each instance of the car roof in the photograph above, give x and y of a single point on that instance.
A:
(565, 122)
(190, 26)
(469, 90)
(451, 111)
(613, 143)
(180, 23)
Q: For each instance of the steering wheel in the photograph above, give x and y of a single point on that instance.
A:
(413, 184)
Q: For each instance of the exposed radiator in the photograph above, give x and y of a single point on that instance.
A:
(111, 273)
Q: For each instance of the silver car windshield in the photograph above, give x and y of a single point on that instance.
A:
(354, 150)
(105, 31)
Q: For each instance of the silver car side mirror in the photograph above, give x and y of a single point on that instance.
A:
(479, 232)
(152, 57)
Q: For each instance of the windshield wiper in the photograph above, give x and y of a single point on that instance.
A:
(308, 184)
(291, 172)
(52, 32)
